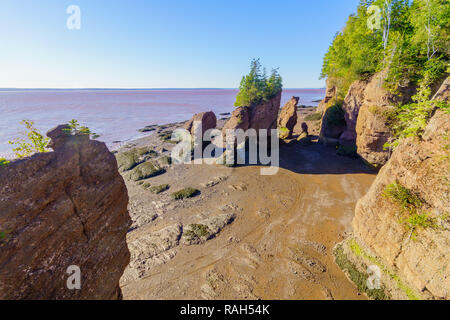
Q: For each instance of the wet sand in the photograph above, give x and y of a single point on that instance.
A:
(279, 245)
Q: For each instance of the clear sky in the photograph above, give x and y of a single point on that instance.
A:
(165, 43)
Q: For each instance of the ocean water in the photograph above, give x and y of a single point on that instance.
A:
(116, 115)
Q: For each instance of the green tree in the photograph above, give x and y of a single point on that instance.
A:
(32, 142)
(256, 87)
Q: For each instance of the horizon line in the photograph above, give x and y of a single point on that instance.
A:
(137, 89)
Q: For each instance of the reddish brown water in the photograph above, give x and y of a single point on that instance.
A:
(116, 114)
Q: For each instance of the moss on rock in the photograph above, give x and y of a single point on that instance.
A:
(145, 170)
(159, 189)
(129, 159)
(185, 193)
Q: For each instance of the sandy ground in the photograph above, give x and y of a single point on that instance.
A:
(278, 244)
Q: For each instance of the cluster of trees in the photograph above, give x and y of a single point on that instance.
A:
(257, 87)
(407, 38)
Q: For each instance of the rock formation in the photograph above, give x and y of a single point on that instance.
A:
(415, 245)
(60, 209)
(330, 95)
(360, 125)
(240, 119)
(351, 106)
(261, 116)
(288, 116)
(371, 129)
(208, 120)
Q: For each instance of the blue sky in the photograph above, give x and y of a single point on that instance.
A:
(165, 43)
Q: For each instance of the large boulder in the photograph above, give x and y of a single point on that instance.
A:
(287, 118)
(60, 209)
(330, 96)
(208, 120)
(351, 106)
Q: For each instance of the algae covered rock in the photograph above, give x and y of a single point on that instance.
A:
(206, 229)
(129, 159)
(145, 170)
(185, 193)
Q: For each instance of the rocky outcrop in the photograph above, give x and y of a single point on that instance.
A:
(287, 118)
(351, 106)
(371, 129)
(208, 120)
(261, 116)
(330, 96)
(414, 244)
(60, 209)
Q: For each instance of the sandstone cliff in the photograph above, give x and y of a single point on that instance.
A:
(408, 229)
(58, 209)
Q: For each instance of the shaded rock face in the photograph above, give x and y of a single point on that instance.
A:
(208, 119)
(351, 106)
(63, 208)
(262, 116)
(333, 126)
(288, 115)
(330, 94)
(423, 168)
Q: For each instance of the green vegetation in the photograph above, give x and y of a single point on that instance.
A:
(411, 119)
(411, 207)
(410, 41)
(129, 159)
(32, 142)
(4, 162)
(196, 232)
(185, 193)
(334, 116)
(256, 87)
(359, 278)
(402, 197)
(144, 171)
(159, 189)
(358, 251)
(314, 117)
(75, 129)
